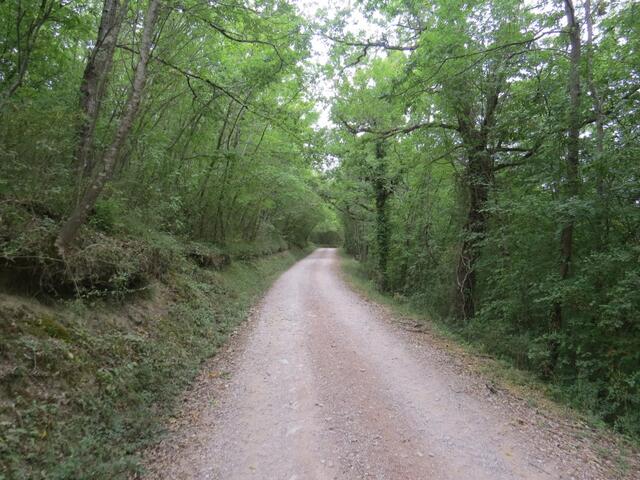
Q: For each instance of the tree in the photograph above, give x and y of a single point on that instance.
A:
(512, 188)
(460, 76)
(94, 80)
(109, 160)
(29, 17)
(572, 182)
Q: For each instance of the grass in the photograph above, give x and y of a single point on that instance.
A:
(85, 384)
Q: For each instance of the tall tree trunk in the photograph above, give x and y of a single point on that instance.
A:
(572, 159)
(383, 230)
(596, 101)
(79, 215)
(478, 178)
(94, 81)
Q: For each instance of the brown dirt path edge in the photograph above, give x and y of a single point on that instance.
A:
(320, 384)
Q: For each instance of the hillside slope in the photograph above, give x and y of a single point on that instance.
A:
(85, 382)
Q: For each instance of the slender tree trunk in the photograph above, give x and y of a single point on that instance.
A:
(256, 225)
(599, 134)
(219, 217)
(200, 201)
(219, 234)
(572, 184)
(79, 215)
(94, 81)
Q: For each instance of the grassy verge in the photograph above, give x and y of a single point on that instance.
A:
(86, 383)
(499, 372)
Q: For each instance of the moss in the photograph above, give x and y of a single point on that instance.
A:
(49, 326)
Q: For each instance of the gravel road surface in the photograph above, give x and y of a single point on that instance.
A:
(321, 384)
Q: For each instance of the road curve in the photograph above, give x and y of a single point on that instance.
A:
(322, 386)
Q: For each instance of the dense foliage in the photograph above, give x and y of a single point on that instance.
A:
(126, 115)
(489, 172)
(144, 146)
(482, 163)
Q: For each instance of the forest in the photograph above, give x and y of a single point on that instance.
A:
(489, 174)
(479, 158)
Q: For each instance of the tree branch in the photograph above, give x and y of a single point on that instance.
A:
(190, 75)
(372, 44)
(236, 38)
(395, 131)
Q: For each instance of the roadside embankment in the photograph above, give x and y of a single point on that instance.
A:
(87, 379)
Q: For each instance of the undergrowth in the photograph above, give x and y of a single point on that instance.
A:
(86, 382)
(497, 367)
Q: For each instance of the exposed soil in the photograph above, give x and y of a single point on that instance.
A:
(323, 384)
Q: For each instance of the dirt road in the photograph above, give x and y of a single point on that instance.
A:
(322, 385)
